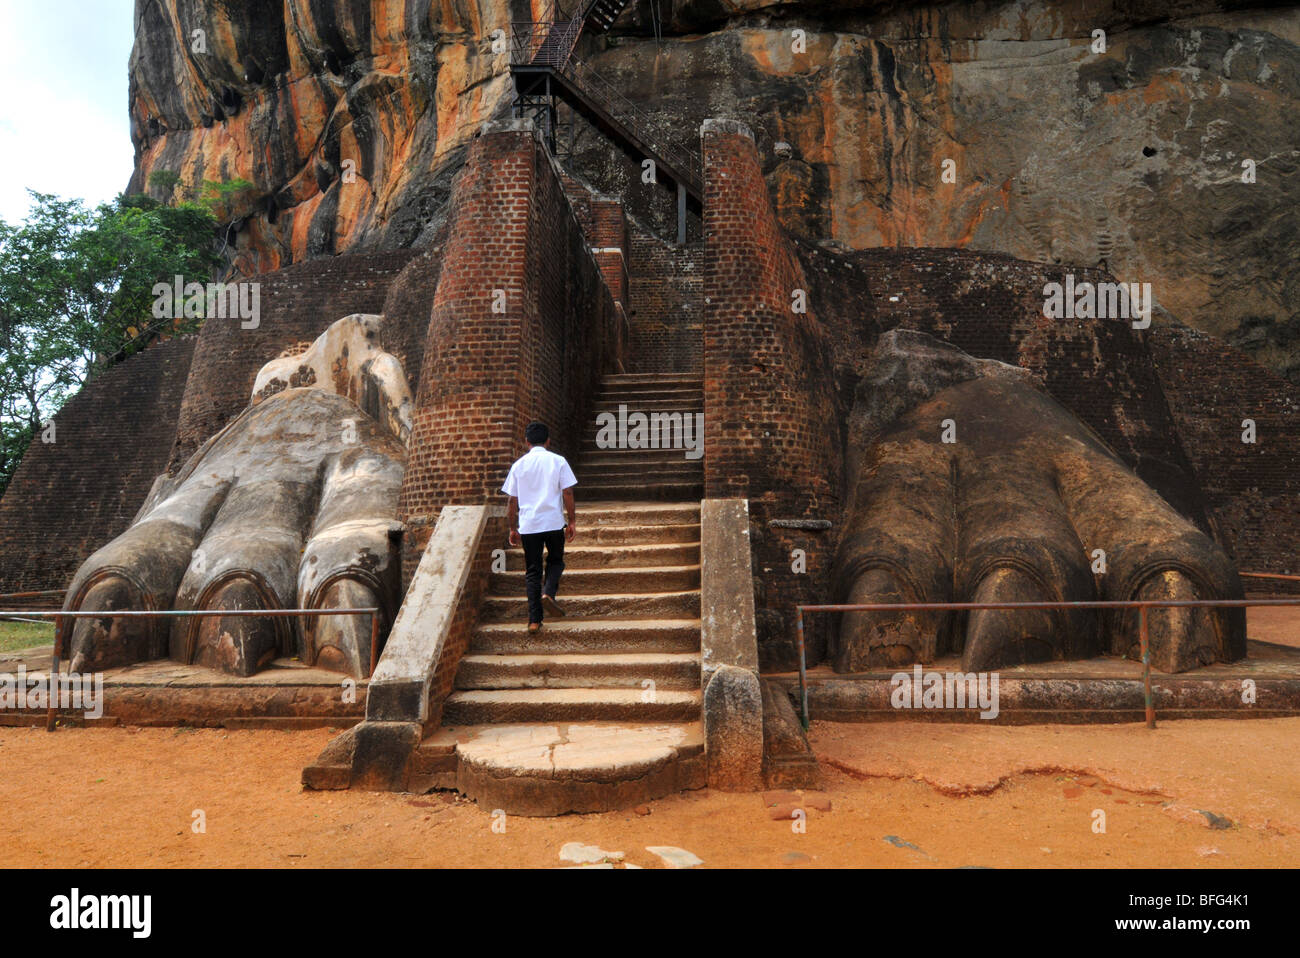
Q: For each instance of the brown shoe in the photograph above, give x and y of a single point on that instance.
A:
(551, 606)
(534, 626)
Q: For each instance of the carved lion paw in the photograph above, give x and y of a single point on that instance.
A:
(290, 505)
(973, 485)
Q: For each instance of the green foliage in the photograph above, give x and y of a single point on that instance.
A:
(227, 200)
(76, 296)
(164, 180)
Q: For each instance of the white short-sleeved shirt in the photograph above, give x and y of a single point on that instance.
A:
(538, 479)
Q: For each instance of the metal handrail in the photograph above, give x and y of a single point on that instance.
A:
(373, 612)
(531, 42)
(531, 45)
(1140, 604)
(643, 125)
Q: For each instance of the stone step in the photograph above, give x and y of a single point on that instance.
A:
(598, 512)
(500, 706)
(665, 491)
(598, 581)
(659, 379)
(597, 556)
(554, 769)
(632, 457)
(629, 394)
(588, 447)
(599, 479)
(667, 670)
(681, 471)
(685, 534)
(598, 634)
(647, 405)
(671, 605)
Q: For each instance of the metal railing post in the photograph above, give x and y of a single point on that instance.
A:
(803, 672)
(54, 675)
(1146, 666)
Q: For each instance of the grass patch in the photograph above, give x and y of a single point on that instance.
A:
(24, 635)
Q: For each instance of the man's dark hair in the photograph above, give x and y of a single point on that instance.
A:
(537, 433)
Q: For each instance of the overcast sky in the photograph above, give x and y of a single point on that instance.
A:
(63, 105)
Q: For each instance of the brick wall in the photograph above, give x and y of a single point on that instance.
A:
(510, 229)
(771, 411)
(1252, 490)
(603, 223)
(666, 300)
(72, 496)
(297, 304)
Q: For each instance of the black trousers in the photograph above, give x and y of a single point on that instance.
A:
(533, 542)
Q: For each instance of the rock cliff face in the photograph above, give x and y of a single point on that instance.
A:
(350, 118)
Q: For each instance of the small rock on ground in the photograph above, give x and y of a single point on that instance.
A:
(675, 857)
(587, 854)
(1215, 821)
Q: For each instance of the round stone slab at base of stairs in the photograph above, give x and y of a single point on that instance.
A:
(553, 769)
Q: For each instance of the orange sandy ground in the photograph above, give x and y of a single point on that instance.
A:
(900, 793)
(903, 794)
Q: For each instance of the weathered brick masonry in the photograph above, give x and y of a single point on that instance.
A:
(605, 226)
(659, 286)
(1252, 490)
(666, 315)
(513, 241)
(771, 412)
(297, 304)
(72, 496)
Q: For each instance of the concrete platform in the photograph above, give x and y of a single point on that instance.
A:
(285, 695)
(1104, 689)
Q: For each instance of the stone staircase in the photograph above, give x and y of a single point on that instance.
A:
(601, 709)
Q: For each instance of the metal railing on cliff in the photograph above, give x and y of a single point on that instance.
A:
(548, 43)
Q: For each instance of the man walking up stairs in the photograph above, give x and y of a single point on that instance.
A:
(541, 515)
(602, 709)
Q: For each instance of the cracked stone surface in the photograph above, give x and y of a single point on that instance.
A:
(561, 751)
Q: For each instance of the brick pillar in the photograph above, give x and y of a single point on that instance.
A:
(772, 432)
(768, 381)
(522, 327)
(464, 432)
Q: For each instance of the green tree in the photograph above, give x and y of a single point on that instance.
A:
(76, 296)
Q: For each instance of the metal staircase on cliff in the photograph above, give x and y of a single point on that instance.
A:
(546, 73)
